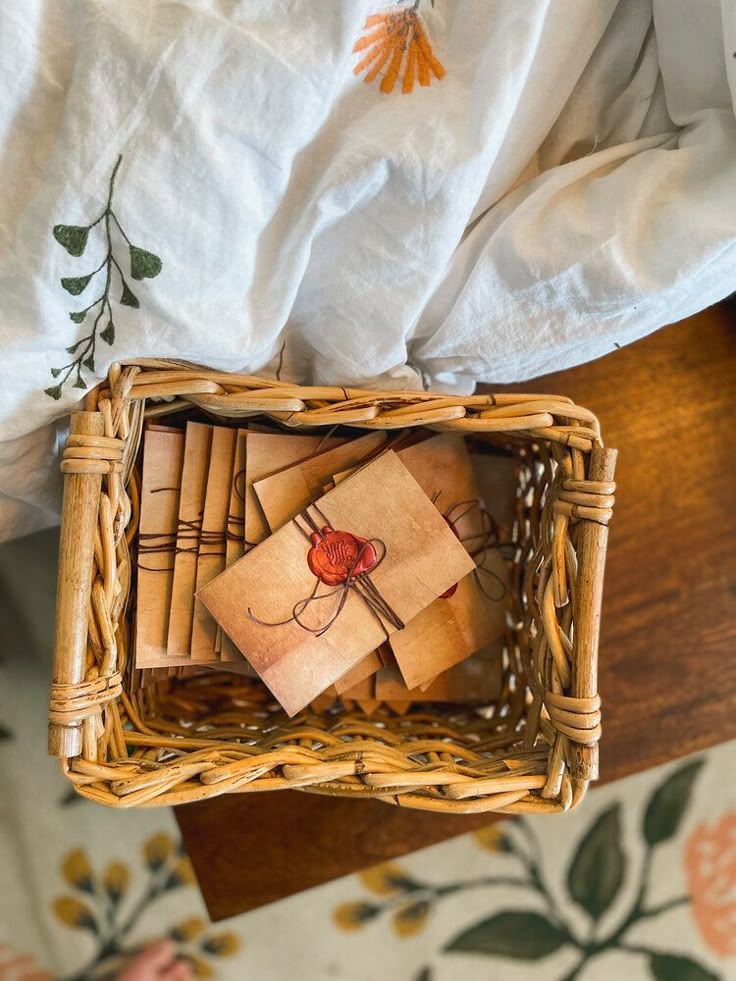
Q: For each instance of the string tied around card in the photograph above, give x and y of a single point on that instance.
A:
(492, 586)
(189, 531)
(343, 560)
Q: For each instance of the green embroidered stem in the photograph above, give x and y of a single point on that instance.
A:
(143, 265)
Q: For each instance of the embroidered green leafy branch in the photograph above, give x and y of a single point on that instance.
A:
(143, 265)
(593, 884)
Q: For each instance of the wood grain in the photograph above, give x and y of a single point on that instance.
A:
(667, 674)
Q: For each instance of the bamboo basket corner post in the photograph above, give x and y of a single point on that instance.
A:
(127, 743)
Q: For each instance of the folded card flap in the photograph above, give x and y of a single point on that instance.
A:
(269, 453)
(286, 493)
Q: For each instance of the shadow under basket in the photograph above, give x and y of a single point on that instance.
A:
(176, 740)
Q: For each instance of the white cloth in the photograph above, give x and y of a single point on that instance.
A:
(568, 185)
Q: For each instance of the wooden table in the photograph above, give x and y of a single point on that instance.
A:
(667, 671)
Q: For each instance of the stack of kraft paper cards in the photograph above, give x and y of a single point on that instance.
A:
(364, 569)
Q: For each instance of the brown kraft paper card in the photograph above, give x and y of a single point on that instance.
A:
(268, 453)
(496, 477)
(472, 614)
(163, 455)
(211, 559)
(286, 493)
(235, 545)
(474, 681)
(197, 441)
(380, 551)
(360, 673)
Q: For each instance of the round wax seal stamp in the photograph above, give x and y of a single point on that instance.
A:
(335, 555)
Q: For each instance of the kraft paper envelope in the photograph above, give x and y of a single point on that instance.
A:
(324, 701)
(362, 695)
(496, 477)
(286, 493)
(211, 559)
(268, 453)
(163, 454)
(360, 673)
(235, 546)
(474, 681)
(255, 599)
(455, 626)
(197, 440)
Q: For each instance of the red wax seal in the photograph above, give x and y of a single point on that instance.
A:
(451, 591)
(335, 555)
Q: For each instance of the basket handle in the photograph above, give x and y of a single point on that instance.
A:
(76, 558)
(592, 544)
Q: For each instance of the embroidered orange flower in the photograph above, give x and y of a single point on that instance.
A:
(710, 864)
(397, 43)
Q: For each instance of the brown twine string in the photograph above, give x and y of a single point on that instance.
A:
(362, 585)
(488, 539)
(238, 480)
(205, 541)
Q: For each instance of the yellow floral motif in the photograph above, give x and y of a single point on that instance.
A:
(73, 913)
(200, 968)
(221, 944)
(182, 873)
(158, 849)
(116, 880)
(111, 923)
(490, 838)
(77, 870)
(409, 920)
(383, 880)
(188, 929)
(352, 916)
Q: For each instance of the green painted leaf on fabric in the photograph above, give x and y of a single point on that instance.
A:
(597, 870)
(80, 383)
(55, 372)
(424, 975)
(674, 967)
(76, 284)
(72, 237)
(78, 316)
(128, 298)
(108, 334)
(54, 392)
(143, 264)
(668, 803)
(89, 362)
(523, 935)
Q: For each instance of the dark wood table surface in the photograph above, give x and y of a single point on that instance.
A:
(667, 670)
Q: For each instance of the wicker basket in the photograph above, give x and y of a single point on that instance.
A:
(181, 740)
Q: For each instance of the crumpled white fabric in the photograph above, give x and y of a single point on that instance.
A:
(568, 185)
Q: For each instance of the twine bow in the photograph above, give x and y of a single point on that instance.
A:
(343, 560)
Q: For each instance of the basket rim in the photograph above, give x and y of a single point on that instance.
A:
(583, 498)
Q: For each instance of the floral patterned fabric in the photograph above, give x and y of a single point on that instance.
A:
(638, 883)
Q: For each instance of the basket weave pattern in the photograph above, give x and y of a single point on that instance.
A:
(168, 742)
